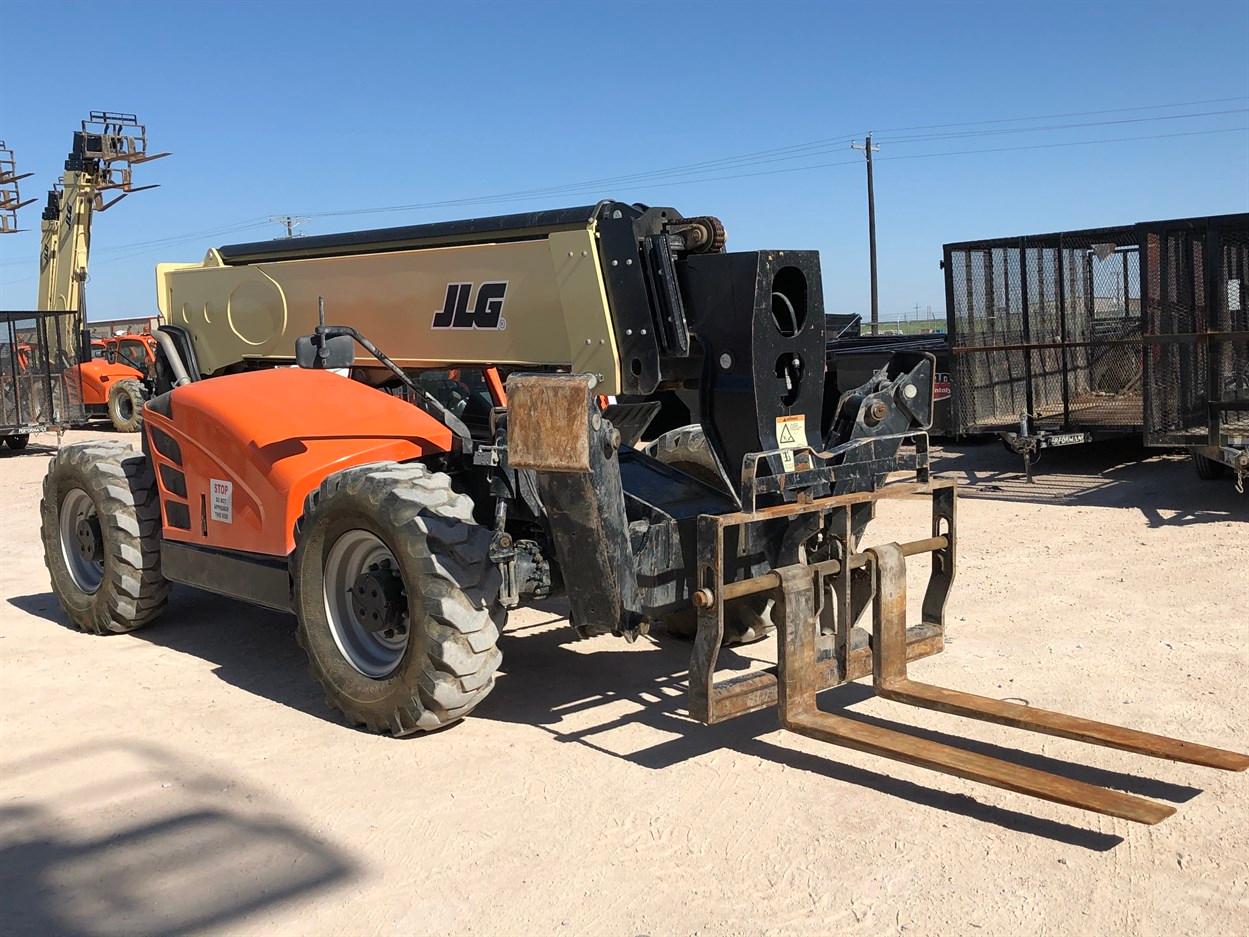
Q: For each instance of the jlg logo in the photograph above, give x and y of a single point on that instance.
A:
(487, 313)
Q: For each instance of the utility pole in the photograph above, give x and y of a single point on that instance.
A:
(867, 148)
(290, 223)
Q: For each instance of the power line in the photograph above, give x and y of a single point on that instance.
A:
(1048, 146)
(797, 151)
(1095, 123)
(853, 162)
(115, 249)
(1113, 110)
(856, 162)
(674, 175)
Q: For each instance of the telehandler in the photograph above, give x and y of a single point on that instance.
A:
(469, 441)
(116, 379)
(101, 160)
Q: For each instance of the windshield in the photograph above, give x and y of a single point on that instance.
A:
(133, 353)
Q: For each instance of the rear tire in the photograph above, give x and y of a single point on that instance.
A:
(1208, 469)
(18, 442)
(125, 406)
(101, 537)
(746, 619)
(406, 523)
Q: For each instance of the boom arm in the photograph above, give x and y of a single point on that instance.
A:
(103, 154)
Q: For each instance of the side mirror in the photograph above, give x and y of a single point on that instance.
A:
(339, 351)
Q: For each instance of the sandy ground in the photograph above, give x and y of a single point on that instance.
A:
(190, 779)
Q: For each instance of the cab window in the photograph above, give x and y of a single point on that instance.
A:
(132, 352)
(465, 393)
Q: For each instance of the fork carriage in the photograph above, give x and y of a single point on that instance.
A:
(812, 656)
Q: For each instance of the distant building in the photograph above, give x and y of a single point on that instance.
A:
(102, 328)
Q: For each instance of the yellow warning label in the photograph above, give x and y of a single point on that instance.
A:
(791, 433)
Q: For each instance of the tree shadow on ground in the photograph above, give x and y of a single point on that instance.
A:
(89, 851)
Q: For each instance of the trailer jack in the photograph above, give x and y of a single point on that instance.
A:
(809, 662)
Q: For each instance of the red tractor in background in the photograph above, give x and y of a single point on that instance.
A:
(117, 379)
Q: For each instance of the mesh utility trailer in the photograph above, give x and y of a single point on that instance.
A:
(38, 381)
(1196, 322)
(1045, 335)
(1063, 338)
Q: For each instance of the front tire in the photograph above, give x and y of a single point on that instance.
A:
(397, 598)
(17, 442)
(125, 406)
(101, 537)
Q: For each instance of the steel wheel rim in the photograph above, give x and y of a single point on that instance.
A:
(78, 519)
(370, 653)
(125, 407)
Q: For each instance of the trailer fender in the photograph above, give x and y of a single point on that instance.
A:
(235, 456)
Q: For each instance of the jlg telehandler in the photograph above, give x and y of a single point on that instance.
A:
(116, 379)
(481, 452)
(114, 383)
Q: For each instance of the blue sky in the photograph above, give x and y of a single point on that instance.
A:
(303, 107)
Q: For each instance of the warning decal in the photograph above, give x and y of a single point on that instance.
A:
(222, 500)
(791, 433)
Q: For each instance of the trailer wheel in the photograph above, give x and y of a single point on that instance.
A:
(1208, 469)
(746, 619)
(17, 442)
(125, 406)
(397, 598)
(101, 537)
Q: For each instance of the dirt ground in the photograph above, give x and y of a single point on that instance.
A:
(189, 778)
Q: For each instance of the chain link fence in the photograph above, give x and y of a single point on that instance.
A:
(40, 387)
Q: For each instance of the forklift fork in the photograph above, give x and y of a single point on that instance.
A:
(804, 669)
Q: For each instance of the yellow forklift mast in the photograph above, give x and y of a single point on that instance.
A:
(10, 193)
(105, 151)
